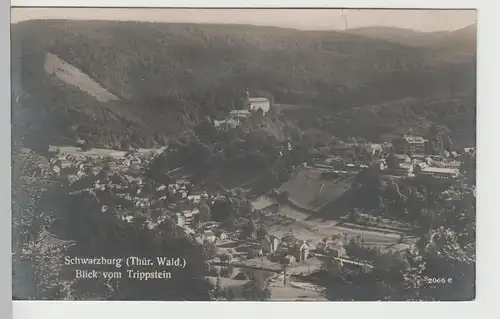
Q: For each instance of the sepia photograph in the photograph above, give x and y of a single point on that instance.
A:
(168, 154)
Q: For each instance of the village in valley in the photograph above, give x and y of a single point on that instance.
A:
(284, 232)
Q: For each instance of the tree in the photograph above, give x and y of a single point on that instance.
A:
(257, 289)
(333, 268)
(448, 143)
(245, 209)
(392, 162)
(230, 223)
(283, 196)
(230, 294)
(262, 231)
(226, 257)
(205, 214)
(210, 248)
(218, 292)
(224, 272)
(221, 210)
(354, 216)
(249, 229)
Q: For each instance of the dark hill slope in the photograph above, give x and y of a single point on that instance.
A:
(461, 40)
(169, 76)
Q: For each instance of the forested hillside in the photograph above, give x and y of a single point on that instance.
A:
(168, 77)
(462, 40)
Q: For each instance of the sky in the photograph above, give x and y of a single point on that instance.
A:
(304, 19)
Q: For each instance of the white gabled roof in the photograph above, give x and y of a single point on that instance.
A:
(257, 100)
(444, 170)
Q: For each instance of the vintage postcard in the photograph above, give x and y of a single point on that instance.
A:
(243, 154)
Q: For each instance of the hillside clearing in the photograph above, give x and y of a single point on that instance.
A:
(309, 190)
(73, 76)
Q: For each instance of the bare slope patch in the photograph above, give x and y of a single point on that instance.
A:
(71, 75)
(309, 190)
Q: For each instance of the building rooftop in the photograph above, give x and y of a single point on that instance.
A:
(239, 112)
(405, 165)
(442, 170)
(257, 99)
(231, 122)
(402, 157)
(414, 139)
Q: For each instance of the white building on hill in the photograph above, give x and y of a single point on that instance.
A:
(256, 103)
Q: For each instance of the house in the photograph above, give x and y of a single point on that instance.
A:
(269, 244)
(380, 164)
(204, 195)
(238, 114)
(335, 161)
(438, 172)
(320, 246)
(257, 103)
(65, 164)
(182, 182)
(194, 198)
(223, 236)
(335, 249)
(289, 240)
(179, 219)
(409, 144)
(288, 260)
(189, 217)
(198, 238)
(418, 157)
(301, 250)
(451, 164)
(469, 150)
(209, 236)
(374, 148)
(330, 247)
(404, 169)
(226, 124)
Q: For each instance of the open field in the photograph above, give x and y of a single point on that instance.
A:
(98, 152)
(307, 227)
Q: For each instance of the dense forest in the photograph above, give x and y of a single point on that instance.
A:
(168, 77)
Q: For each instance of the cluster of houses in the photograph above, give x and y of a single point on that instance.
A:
(405, 156)
(203, 235)
(75, 166)
(410, 159)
